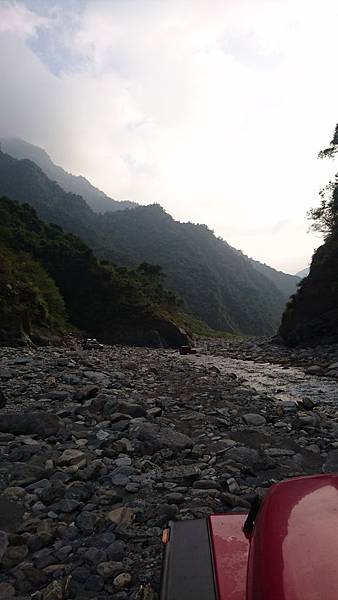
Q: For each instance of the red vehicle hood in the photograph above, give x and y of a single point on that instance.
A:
(294, 547)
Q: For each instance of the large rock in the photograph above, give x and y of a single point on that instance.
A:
(41, 424)
(254, 419)
(155, 437)
(131, 409)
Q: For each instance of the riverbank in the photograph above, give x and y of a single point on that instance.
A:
(99, 448)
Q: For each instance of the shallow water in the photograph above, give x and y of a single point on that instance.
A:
(276, 381)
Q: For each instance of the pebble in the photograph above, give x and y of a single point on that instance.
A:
(122, 581)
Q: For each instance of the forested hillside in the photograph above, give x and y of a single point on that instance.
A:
(47, 277)
(75, 184)
(217, 284)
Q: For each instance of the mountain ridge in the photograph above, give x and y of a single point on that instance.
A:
(76, 184)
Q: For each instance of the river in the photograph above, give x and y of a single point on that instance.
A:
(276, 381)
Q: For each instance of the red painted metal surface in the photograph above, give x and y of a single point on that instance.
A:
(230, 549)
(294, 547)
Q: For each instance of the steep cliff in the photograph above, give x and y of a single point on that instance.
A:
(311, 316)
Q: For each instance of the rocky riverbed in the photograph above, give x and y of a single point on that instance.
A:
(100, 448)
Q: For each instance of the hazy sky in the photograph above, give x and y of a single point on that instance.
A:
(215, 109)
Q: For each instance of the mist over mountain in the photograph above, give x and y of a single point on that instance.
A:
(76, 184)
(216, 283)
(303, 273)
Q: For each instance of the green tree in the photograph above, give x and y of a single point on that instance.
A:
(325, 216)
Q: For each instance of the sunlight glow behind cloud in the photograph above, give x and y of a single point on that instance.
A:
(215, 109)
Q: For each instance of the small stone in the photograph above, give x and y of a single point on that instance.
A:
(6, 590)
(122, 581)
(206, 484)
(174, 498)
(313, 370)
(134, 410)
(234, 501)
(85, 393)
(120, 480)
(123, 461)
(72, 457)
(55, 590)
(155, 438)
(95, 555)
(121, 515)
(102, 435)
(63, 553)
(313, 448)
(14, 492)
(16, 554)
(85, 522)
(232, 485)
(277, 452)
(116, 550)
(109, 569)
(254, 419)
(307, 404)
(94, 583)
(308, 421)
(67, 506)
(132, 488)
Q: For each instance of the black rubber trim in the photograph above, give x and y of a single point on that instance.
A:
(187, 570)
(251, 518)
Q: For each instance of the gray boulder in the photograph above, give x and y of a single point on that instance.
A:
(41, 424)
(156, 437)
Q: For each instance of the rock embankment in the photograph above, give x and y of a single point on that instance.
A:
(99, 449)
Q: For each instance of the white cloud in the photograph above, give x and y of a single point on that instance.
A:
(216, 110)
(16, 18)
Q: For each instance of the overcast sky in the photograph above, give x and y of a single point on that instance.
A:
(215, 109)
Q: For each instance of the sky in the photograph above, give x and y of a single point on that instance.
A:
(216, 109)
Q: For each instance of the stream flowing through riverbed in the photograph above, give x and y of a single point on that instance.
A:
(276, 381)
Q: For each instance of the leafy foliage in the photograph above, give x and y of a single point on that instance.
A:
(28, 296)
(100, 298)
(325, 216)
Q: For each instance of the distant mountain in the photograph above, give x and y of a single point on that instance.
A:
(287, 284)
(76, 184)
(217, 284)
(303, 273)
